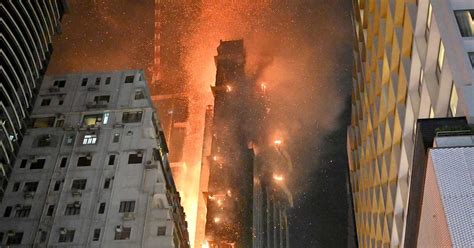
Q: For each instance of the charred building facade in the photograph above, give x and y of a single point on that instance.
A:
(246, 196)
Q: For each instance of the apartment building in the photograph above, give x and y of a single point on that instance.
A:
(26, 46)
(92, 170)
(413, 60)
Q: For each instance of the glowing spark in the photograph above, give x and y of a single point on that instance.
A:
(214, 158)
(278, 177)
(263, 86)
(228, 88)
(217, 219)
(229, 193)
(278, 142)
(219, 202)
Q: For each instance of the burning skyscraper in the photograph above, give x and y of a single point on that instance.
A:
(246, 197)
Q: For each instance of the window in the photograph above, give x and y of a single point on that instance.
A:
(84, 161)
(8, 211)
(89, 139)
(39, 164)
(107, 183)
(139, 95)
(465, 19)
(84, 81)
(127, 206)
(59, 123)
(44, 140)
(135, 158)
(106, 118)
(96, 235)
(101, 208)
(122, 233)
(471, 58)
(102, 99)
(79, 184)
(420, 82)
(59, 83)
(107, 80)
(43, 236)
(61, 102)
(43, 122)
(429, 16)
(97, 81)
(440, 59)
(66, 236)
(50, 211)
(91, 120)
(63, 163)
(130, 117)
(453, 100)
(73, 208)
(23, 163)
(129, 79)
(16, 187)
(1, 237)
(45, 102)
(111, 160)
(30, 187)
(116, 138)
(14, 239)
(69, 140)
(23, 212)
(161, 231)
(57, 185)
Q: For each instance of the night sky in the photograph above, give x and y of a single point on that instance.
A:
(310, 45)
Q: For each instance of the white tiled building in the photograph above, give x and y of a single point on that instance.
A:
(92, 170)
(413, 59)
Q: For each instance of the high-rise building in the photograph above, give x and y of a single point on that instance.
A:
(93, 169)
(247, 197)
(26, 36)
(413, 60)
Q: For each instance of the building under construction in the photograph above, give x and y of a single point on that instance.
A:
(246, 196)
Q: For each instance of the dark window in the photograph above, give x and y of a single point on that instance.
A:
(471, 58)
(97, 81)
(102, 208)
(66, 236)
(84, 161)
(61, 102)
(139, 95)
(8, 211)
(50, 210)
(59, 123)
(63, 163)
(1, 237)
(79, 184)
(107, 183)
(16, 187)
(14, 239)
(57, 185)
(111, 159)
(130, 117)
(465, 19)
(45, 102)
(122, 233)
(84, 82)
(100, 99)
(23, 212)
(107, 80)
(39, 164)
(43, 122)
(43, 236)
(135, 158)
(60, 83)
(96, 235)
(161, 231)
(73, 209)
(30, 187)
(116, 138)
(23, 163)
(127, 206)
(129, 79)
(44, 140)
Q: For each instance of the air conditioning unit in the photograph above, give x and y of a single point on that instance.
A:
(139, 154)
(18, 206)
(128, 216)
(150, 165)
(28, 194)
(77, 204)
(119, 228)
(11, 233)
(53, 89)
(89, 156)
(76, 192)
(62, 231)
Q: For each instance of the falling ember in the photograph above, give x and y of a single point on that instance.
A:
(263, 86)
(278, 142)
(228, 88)
(278, 177)
(217, 219)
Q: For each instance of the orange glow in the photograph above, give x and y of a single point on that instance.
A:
(205, 244)
(278, 177)
(263, 86)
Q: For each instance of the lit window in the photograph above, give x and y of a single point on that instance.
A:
(420, 81)
(453, 100)
(429, 16)
(106, 118)
(432, 113)
(465, 19)
(440, 56)
(89, 139)
(91, 120)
